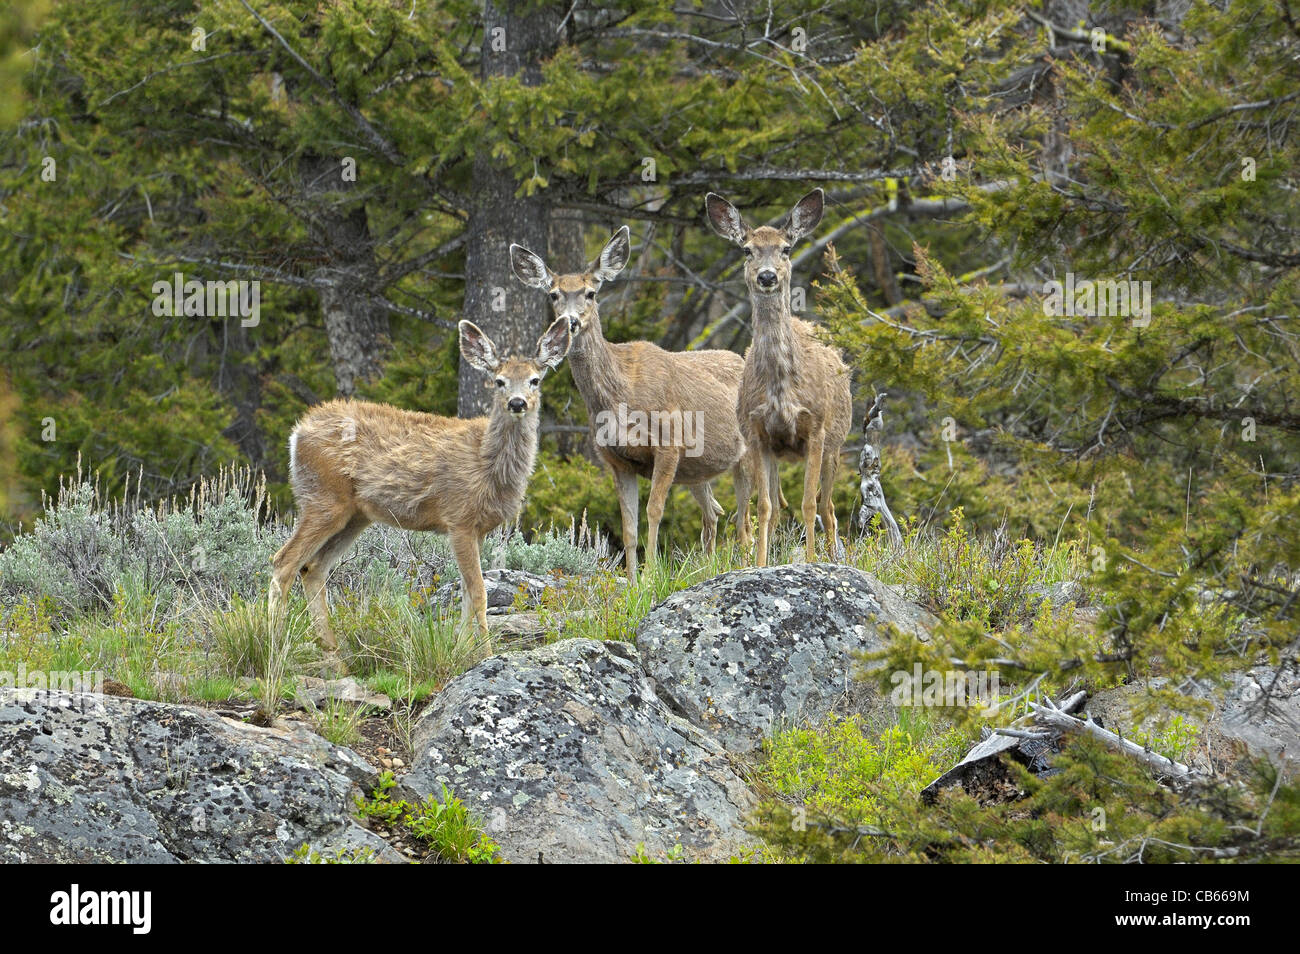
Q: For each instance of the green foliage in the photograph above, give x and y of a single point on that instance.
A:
(845, 769)
(1097, 807)
(306, 855)
(386, 631)
(1177, 739)
(981, 579)
(83, 547)
(675, 855)
(446, 828)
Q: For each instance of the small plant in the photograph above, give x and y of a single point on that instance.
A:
(842, 766)
(676, 855)
(338, 721)
(1177, 739)
(306, 855)
(447, 828)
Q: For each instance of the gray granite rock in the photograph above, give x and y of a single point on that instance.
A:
(751, 650)
(505, 589)
(87, 778)
(313, 693)
(567, 755)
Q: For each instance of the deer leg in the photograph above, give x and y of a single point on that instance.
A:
(743, 477)
(711, 509)
(830, 463)
(313, 531)
(629, 502)
(811, 484)
(779, 502)
(314, 577)
(465, 547)
(661, 481)
(763, 486)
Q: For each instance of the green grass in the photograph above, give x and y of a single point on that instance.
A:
(447, 829)
(205, 637)
(850, 769)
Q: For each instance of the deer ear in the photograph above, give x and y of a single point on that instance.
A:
(725, 218)
(477, 348)
(613, 257)
(805, 215)
(529, 268)
(554, 343)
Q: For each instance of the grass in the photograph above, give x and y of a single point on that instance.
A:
(339, 722)
(171, 600)
(849, 768)
(446, 829)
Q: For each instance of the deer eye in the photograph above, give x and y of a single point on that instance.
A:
(787, 250)
(501, 382)
(535, 381)
(555, 296)
(591, 296)
(749, 252)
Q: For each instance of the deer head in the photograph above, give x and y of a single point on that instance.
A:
(517, 381)
(573, 296)
(767, 250)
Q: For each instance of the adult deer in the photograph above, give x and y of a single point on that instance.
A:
(794, 402)
(353, 463)
(671, 393)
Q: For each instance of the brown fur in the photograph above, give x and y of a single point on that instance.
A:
(795, 401)
(355, 463)
(645, 377)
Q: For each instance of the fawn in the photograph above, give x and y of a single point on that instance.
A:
(640, 380)
(795, 401)
(354, 463)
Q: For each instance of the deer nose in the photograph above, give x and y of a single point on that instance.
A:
(767, 278)
(517, 405)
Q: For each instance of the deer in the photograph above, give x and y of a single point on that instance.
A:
(354, 463)
(795, 401)
(639, 379)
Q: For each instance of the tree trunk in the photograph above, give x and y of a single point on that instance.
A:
(514, 44)
(357, 328)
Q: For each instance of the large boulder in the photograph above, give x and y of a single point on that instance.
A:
(93, 778)
(568, 755)
(752, 650)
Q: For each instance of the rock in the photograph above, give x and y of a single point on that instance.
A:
(517, 625)
(92, 778)
(1058, 594)
(1237, 730)
(503, 587)
(750, 650)
(314, 693)
(568, 755)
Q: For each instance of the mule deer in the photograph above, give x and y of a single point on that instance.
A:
(794, 402)
(619, 381)
(353, 463)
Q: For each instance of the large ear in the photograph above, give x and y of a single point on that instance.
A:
(805, 215)
(725, 218)
(554, 343)
(613, 257)
(477, 348)
(529, 268)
